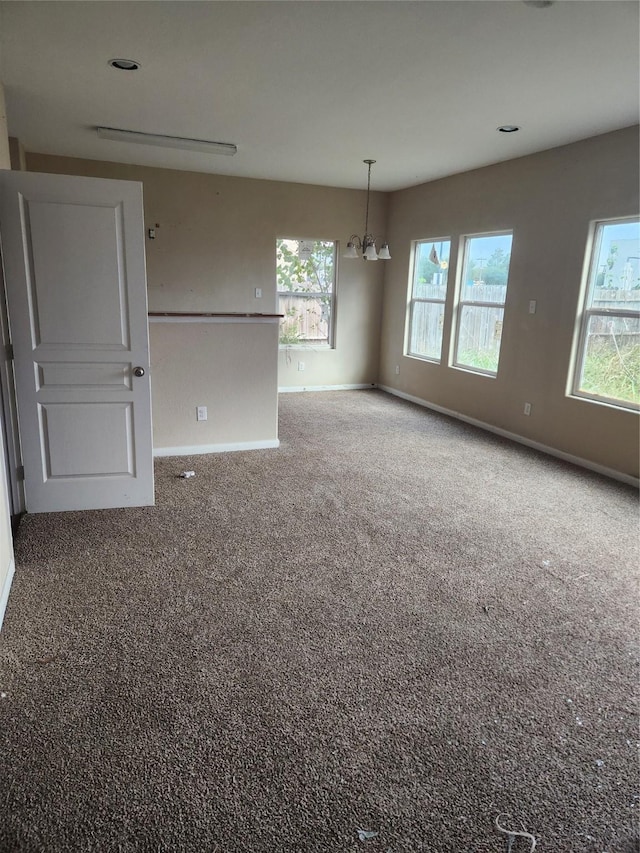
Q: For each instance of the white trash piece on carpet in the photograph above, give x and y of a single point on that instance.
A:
(512, 834)
(366, 834)
(186, 474)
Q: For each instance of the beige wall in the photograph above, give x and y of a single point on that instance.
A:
(215, 243)
(224, 369)
(548, 200)
(5, 156)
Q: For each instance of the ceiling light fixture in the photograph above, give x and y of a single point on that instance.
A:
(201, 145)
(368, 243)
(124, 64)
(508, 128)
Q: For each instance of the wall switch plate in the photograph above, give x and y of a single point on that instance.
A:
(258, 293)
(527, 408)
(201, 413)
(301, 365)
(397, 369)
(532, 306)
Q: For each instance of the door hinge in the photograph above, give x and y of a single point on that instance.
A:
(20, 472)
(9, 352)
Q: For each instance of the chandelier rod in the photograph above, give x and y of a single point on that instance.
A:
(366, 219)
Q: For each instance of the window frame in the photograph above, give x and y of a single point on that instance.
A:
(585, 314)
(415, 244)
(331, 335)
(460, 303)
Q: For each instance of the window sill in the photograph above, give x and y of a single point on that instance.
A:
(322, 347)
(475, 370)
(619, 406)
(425, 358)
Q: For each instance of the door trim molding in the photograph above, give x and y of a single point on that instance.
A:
(6, 587)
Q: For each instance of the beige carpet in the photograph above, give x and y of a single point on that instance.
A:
(394, 623)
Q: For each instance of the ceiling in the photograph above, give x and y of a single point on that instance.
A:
(308, 90)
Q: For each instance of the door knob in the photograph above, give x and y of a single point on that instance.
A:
(138, 371)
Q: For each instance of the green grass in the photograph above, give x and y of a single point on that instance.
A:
(480, 360)
(612, 372)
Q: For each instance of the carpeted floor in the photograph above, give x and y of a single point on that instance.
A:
(393, 623)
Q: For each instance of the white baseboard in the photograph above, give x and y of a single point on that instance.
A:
(512, 436)
(293, 389)
(4, 595)
(201, 449)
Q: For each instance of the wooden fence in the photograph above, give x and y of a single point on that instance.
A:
(480, 328)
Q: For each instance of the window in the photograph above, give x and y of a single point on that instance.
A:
(305, 273)
(483, 289)
(608, 363)
(428, 295)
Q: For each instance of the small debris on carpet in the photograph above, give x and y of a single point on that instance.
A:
(512, 834)
(187, 474)
(366, 834)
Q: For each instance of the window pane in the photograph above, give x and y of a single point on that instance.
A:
(431, 269)
(615, 270)
(306, 319)
(305, 266)
(305, 271)
(611, 366)
(486, 268)
(479, 335)
(426, 329)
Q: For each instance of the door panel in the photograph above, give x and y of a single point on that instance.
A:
(76, 291)
(65, 311)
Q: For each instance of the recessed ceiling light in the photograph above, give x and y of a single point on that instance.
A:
(124, 64)
(508, 128)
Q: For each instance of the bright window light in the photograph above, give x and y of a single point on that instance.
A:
(305, 274)
(480, 311)
(608, 358)
(428, 297)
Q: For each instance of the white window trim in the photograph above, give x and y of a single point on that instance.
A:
(460, 303)
(577, 366)
(331, 338)
(428, 300)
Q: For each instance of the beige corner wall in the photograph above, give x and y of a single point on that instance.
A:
(549, 200)
(215, 243)
(224, 369)
(5, 155)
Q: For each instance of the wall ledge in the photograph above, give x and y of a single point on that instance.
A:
(202, 449)
(512, 436)
(6, 587)
(213, 318)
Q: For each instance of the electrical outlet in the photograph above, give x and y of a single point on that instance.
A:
(532, 306)
(397, 369)
(301, 365)
(201, 413)
(258, 293)
(527, 408)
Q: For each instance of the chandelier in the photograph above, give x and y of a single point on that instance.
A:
(367, 245)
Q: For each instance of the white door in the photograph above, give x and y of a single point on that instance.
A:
(6, 541)
(75, 277)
